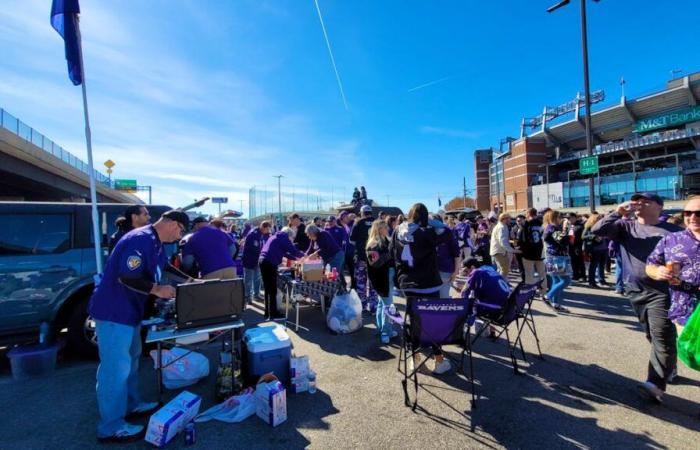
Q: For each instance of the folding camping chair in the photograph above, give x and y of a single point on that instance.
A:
(518, 309)
(429, 324)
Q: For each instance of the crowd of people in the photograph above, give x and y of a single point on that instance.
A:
(656, 267)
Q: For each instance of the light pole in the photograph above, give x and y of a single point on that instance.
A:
(586, 86)
(279, 193)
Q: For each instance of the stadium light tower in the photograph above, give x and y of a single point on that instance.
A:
(586, 86)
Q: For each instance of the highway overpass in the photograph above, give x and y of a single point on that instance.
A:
(34, 168)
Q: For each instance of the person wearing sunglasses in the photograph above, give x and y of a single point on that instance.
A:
(675, 261)
(648, 297)
(136, 269)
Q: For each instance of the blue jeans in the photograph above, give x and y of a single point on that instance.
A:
(251, 282)
(556, 288)
(383, 325)
(445, 288)
(117, 375)
(619, 281)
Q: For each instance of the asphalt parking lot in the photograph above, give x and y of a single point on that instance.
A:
(582, 395)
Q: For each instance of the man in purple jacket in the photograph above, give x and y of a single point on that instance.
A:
(211, 249)
(254, 242)
(277, 247)
(324, 245)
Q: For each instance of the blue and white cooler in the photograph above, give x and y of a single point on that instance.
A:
(268, 349)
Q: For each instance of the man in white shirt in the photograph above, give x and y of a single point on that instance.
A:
(500, 245)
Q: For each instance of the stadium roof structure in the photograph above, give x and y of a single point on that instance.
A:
(618, 121)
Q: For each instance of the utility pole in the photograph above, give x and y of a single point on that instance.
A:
(464, 185)
(586, 86)
(279, 193)
(387, 199)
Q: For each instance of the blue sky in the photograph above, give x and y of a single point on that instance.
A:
(212, 97)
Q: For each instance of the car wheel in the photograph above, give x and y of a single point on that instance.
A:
(82, 338)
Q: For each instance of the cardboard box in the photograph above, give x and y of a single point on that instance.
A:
(169, 420)
(299, 366)
(271, 400)
(312, 271)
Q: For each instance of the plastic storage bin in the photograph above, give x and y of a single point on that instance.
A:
(32, 361)
(268, 349)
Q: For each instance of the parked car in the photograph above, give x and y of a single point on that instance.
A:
(47, 264)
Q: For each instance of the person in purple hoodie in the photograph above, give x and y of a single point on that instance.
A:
(448, 261)
(253, 245)
(277, 247)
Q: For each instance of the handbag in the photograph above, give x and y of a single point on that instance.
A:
(688, 343)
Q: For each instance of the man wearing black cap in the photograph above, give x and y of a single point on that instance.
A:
(133, 271)
(649, 298)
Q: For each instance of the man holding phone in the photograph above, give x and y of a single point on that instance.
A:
(649, 298)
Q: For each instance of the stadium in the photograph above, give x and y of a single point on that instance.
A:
(646, 144)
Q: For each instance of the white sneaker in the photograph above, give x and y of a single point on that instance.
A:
(415, 361)
(442, 367)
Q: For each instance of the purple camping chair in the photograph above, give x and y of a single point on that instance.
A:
(429, 324)
(517, 309)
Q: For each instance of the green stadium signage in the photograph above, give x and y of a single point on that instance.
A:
(677, 117)
(588, 165)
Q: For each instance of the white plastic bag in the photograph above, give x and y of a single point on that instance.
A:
(189, 369)
(235, 409)
(345, 313)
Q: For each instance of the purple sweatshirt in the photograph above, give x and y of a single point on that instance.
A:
(277, 247)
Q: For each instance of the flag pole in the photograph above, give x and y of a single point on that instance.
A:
(88, 141)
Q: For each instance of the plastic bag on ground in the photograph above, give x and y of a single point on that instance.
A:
(235, 409)
(189, 369)
(688, 343)
(345, 313)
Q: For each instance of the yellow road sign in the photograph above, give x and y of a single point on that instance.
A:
(109, 164)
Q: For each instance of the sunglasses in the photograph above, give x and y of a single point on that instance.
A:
(691, 213)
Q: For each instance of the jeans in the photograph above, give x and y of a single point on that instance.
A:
(651, 307)
(251, 282)
(531, 266)
(383, 325)
(117, 375)
(619, 281)
(446, 284)
(556, 290)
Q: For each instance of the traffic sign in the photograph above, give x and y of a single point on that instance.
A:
(219, 199)
(109, 164)
(588, 165)
(125, 185)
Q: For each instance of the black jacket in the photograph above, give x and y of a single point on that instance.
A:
(378, 270)
(530, 240)
(359, 235)
(414, 248)
(301, 240)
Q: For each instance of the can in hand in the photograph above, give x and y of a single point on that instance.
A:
(676, 269)
(190, 435)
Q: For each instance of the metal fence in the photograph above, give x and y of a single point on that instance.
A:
(29, 134)
(269, 200)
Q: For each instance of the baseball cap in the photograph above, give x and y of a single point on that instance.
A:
(366, 209)
(199, 219)
(330, 219)
(648, 196)
(178, 216)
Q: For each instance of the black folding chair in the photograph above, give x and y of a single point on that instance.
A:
(429, 324)
(517, 309)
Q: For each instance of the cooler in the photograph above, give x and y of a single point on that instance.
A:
(267, 349)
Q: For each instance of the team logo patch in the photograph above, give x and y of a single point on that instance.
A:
(133, 263)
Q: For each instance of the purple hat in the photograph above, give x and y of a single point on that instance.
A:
(648, 196)
(343, 215)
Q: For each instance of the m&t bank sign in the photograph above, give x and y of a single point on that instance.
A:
(677, 117)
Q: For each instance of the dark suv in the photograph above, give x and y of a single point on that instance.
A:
(47, 264)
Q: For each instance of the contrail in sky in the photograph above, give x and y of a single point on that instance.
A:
(330, 52)
(430, 83)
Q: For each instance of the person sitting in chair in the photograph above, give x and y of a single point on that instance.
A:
(486, 285)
